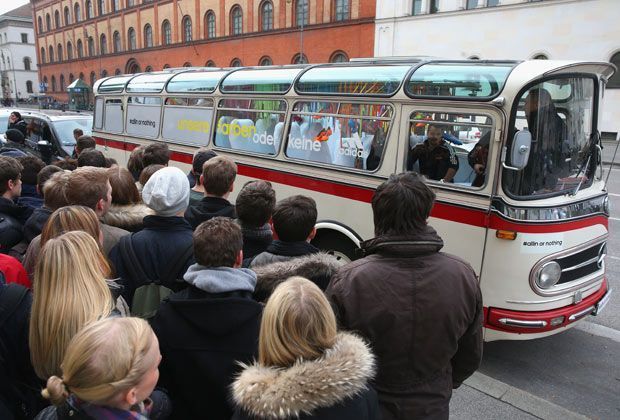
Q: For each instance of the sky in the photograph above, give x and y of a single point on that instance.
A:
(6, 5)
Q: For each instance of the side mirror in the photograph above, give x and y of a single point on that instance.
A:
(520, 151)
(46, 149)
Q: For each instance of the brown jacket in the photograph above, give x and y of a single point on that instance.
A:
(421, 311)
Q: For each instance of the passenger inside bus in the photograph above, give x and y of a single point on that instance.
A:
(437, 158)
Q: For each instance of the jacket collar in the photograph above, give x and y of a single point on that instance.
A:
(291, 249)
(342, 372)
(426, 241)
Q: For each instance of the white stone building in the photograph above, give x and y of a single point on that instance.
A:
(18, 57)
(506, 29)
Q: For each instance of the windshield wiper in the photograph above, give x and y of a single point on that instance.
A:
(591, 146)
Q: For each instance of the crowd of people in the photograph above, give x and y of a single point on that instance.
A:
(144, 292)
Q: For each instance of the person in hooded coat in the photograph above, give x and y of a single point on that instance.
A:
(206, 330)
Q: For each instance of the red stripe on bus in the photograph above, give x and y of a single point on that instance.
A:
(441, 210)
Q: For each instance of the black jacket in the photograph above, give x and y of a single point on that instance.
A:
(161, 240)
(255, 241)
(35, 223)
(202, 337)
(12, 219)
(209, 208)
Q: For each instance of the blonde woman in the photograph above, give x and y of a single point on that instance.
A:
(306, 369)
(70, 291)
(108, 372)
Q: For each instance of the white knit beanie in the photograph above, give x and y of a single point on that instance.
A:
(167, 191)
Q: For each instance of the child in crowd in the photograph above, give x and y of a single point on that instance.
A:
(109, 371)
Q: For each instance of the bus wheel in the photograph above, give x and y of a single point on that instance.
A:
(335, 244)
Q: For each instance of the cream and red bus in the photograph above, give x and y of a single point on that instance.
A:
(527, 207)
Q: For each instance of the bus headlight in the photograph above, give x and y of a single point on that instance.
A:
(549, 275)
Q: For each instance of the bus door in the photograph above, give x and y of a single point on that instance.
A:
(456, 149)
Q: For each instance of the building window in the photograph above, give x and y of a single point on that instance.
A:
(187, 29)
(116, 40)
(148, 36)
(417, 7)
(69, 51)
(40, 24)
(210, 63)
(27, 63)
(187, 64)
(301, 12)
(104, 73)
(77, 13)
(131, 39)
(236, 20)
(235, 63)
(434, 6)
(540, 57)
(103, 44)
(148, 69)
(24, 38)
(48, 23)
(80, 49)
(53, 83)
(81, 76)
(67, 16)
(101, 7)
(92, 78)
(62, 82)
(299, 59)
(117, 72)
(210, 24)
(29, 86)
(342, 10)
(51, 53)
(71, 78)
(473, 57)
(130, 3)
(492, 3)
(166, 66)
(265, 61)
(166, 33)
(57, 19)
(266, 14)
(472, 4)
(339, 57)
(614, 82)
(91, 46)
(89, 9)
(59, 52)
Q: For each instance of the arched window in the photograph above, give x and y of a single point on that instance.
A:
(104, 73)
(473, 57)
(235, 63)
(103, 44)
(166, 33)
(300, 59)
(81, 77)
(236, 20)
(148, 69)
(614, 82)
(89, 9)
(92, 78)
(59, 51)
(266, 15)
(210, 63)
(302, 12)
(67, 16)
(166, 66)
(51, 53)
(341, 10)
(77, 12)
(91, 46)
(40, 24)
(132, 66)
(48, 23)
(117, 72)
(45, 83)
(71, 78)
(101, 7)
(116, 5)
(540, 57)
(57, 19)
(29, 86)
(339, 57)
(116, 39)
(27, 63)
(187, 29)
(187, 64)
(80, 48)
(62, 82)
(210, 24)
(265, 61)
(131, 39)
(53, 83)
(148, 36)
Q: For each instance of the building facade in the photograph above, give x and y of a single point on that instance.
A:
(18, 57)
(506, 29)
(90, 39)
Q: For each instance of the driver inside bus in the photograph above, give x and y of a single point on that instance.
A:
(437, 158)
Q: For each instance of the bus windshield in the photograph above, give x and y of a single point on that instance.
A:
(559, 114)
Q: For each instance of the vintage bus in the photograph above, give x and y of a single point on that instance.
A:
(527, 206)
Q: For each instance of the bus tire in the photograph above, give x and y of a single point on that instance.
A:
(336, 244)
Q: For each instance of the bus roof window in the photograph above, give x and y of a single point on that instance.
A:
(195, 81)
(114, 84)
(462, 80)
(260, 80)
(148, 82)
(375, 80)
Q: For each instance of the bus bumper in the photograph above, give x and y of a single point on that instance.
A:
(503, 324)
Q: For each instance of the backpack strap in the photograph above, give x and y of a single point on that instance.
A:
(172, 273)
(131, 261)
(11, 297)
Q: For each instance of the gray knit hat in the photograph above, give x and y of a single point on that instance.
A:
(167, 191)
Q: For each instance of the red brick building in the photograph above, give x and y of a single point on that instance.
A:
(94, 38)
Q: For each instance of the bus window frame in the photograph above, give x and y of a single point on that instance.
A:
(512, 120)
(128, 95)
(346, 99)
(123, 111)
(216, 88)
(186, 96)
(102, 98)
(254, 68)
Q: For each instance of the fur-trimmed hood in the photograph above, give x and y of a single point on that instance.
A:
(280, 393)
(128, 216)
(313, 266)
